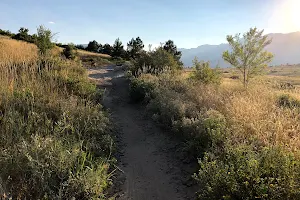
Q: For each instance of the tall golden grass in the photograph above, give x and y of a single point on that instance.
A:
(17, 52)
(18, 60)
(50, 128)
(254, 114)
(87, 53)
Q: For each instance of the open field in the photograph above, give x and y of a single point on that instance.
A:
(280, 74)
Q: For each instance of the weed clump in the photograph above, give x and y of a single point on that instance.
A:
(288, 101)
(204, 74)
(244, 173)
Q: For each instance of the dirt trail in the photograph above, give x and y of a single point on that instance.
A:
(149, 159)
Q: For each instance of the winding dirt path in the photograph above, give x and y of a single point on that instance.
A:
(150, 160)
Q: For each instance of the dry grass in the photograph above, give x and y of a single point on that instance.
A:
(17, 52)
(53, 135)
(89, 59)
(4, 37)
(253, 114)
(87, 53)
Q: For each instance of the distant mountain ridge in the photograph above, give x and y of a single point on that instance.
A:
(285, 47)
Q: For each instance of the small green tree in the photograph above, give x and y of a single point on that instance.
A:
(154, 62)
(23, 35)
(170, 47)
(69, 51)
(118, 49)
(6, 32)
(135, 47)
(93, 46)
(106, 49)
(163, 61)
(204, 73)
(44, 39)
(248, 54)
(79, 46)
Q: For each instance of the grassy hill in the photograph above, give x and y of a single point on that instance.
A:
(90, 59)
(55, 137)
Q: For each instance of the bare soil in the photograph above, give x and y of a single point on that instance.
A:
(150, 161)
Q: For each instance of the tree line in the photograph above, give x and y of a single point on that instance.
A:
(247, 54)
(134, 50)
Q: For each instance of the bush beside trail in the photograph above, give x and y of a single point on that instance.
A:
(55, 137)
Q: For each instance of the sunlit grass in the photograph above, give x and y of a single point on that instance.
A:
(55, 141)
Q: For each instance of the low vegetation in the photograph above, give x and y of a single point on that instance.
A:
(205, 74)
(154, 62)
(245, 138)
(55, 137)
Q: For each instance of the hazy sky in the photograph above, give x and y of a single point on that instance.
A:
(189, 23)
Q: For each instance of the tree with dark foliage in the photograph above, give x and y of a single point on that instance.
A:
(106, 49)
(134, 47)
(80, 46)
(7, 33)
(23, 35)
(69, 52)
(118, 49)
(93, 46)
(44, 39)
(170, 47)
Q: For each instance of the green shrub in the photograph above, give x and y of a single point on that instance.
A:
(169, 104)
(6, 32)
(154, 62)
(69, 52)
(42, 157)
(243, 173)
(118, 60)
(207, 130)
(204, 74)
(140, 90)
(44, 39)
(288, 101)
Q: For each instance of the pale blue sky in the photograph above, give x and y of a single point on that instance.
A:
(189, 23)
